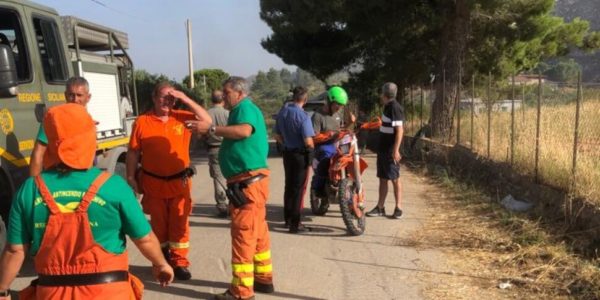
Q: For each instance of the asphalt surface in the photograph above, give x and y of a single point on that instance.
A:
(326, 263)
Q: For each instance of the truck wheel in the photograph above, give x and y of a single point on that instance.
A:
(5, 201)
(5, 197)
(121, 169)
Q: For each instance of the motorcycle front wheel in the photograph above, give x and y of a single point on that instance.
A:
(355, 225)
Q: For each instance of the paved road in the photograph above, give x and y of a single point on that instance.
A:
(323, 264)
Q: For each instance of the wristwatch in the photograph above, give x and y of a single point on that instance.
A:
(212, 129)
(5, 293)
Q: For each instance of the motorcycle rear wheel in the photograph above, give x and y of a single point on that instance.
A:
(318, 205)
(355, 225)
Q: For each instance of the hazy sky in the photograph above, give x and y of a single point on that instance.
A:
(226, 33)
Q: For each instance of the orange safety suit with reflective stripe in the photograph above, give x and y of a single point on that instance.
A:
(68, 248)
(250, 241)
(164, 148)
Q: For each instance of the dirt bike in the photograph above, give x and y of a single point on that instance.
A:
(344, 184)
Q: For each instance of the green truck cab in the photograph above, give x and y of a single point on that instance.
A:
(39, 51)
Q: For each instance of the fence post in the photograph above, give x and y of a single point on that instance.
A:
(444, 90)
(523, 100)
(412, 109)
(421, 111)
(457, 108)
(577, 116)
(472, 108)
(537, 129)
(489, 113)
(512, 124)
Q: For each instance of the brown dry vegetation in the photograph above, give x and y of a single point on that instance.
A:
(487, 245)
(557, 128)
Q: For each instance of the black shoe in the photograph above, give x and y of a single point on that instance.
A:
(229, 296)
(182, 273)
(376, 212)
(166, 254)
(397, 213)
(299, 229)
(222, 211)
(265, 288)
(286, 224)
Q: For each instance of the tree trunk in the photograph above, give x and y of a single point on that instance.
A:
(454, 39)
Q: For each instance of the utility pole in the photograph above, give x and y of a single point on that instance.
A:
(191, 59)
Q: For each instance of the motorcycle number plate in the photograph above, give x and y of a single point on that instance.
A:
(346, 140)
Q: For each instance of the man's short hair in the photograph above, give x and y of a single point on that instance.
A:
(77, 81)
(217, 96)
(159, 86)
(238, 84)
(298, 93)
(389, 90)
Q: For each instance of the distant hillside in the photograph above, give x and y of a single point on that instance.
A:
(588, 10)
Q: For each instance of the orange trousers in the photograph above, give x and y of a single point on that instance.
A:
(169, 218)
(250, 242)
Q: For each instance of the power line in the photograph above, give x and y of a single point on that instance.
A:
(118, 11)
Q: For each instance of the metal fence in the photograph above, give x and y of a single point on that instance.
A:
(546, 129)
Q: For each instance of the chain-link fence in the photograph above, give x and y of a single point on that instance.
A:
(546, 129)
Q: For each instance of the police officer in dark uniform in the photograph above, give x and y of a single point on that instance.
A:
(295, 132)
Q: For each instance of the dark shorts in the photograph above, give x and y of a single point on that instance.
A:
(386, 168)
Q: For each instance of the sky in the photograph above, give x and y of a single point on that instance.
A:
(226, 34)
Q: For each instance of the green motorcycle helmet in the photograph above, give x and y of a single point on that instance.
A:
(338, 95)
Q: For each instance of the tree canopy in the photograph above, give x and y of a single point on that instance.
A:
(206, 80)
(407, 41)
(145, 83)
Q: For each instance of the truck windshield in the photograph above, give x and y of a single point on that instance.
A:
(11, 35)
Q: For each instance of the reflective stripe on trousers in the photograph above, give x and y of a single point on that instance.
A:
(251, 255)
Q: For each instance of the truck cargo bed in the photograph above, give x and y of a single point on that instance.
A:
(91, 36)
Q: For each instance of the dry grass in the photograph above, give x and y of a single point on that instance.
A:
(488, 245)
(557, 128)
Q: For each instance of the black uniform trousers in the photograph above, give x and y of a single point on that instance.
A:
(295, 164)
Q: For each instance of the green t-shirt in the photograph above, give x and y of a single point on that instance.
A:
(41, 135)
(238, 156)
(114, 212)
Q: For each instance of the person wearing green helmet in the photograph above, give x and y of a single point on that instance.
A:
(326, 122)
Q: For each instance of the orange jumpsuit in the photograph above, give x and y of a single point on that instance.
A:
(251, 255)
(68, 248)
(164, 148)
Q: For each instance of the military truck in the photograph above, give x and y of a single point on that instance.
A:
(39, 51)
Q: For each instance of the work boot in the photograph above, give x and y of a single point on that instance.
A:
(182, 273)
(229, 296)
(265, 288)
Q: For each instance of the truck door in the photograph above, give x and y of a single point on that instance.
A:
(55, 70)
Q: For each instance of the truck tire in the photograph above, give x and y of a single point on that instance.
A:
(5, 201)
(5, 196)
(121, 169)
(355, 225)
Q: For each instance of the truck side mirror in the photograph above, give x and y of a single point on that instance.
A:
(8, 72)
